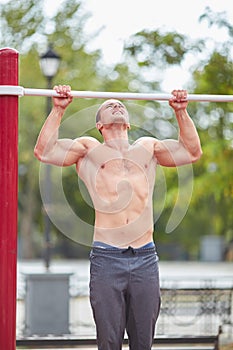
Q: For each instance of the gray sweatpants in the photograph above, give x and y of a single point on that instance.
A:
(124, 295)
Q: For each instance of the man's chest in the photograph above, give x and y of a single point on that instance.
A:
(108, 160)
(109, 172)
(118, 180)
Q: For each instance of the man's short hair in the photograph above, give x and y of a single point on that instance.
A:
(97, 118)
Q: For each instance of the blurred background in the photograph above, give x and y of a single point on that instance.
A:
(98, 47)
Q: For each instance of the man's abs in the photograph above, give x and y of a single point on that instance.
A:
(122, 230)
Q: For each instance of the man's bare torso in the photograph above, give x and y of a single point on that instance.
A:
(120, 183)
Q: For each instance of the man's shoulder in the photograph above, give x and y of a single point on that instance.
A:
(147, 143)
(145, 140)
(88, 141)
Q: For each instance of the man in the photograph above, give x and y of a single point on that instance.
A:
(124, 282)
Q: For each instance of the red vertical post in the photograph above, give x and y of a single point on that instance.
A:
(8, 199)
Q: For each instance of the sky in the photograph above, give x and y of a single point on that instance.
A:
(122, 18)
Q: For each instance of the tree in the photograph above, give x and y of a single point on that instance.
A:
(23, 23)
(146, 53)
(215, 178)
(210, 209)
(151, 52)
(81, 69)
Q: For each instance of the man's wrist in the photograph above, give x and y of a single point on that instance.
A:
(181, 109)
(59, 109)
(181, 113)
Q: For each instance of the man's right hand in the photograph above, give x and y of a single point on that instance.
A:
(65, 92)
(179, 100)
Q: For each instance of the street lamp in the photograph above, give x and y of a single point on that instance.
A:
(49, 64)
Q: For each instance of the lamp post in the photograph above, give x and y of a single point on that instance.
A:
(49, 64)
(47, 297)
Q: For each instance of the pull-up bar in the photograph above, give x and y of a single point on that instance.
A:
(21, 91)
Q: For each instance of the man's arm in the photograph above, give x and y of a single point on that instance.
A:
(49, 148)
(185, 150)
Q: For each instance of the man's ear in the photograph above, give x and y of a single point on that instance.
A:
(128, 126)
(99, 126)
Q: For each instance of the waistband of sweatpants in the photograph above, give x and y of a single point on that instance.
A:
(123, 252)
(100, 244)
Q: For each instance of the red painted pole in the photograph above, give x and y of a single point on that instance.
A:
(8, 199)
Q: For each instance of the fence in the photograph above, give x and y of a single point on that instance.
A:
(189, 307)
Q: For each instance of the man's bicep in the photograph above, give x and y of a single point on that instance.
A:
(64, 153)
(171, 153)
(68, 152)
(71, 151)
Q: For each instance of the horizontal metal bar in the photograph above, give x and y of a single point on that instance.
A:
(11, 90)
(21, 91)
(74, 341)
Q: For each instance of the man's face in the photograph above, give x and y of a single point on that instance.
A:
(112, 112)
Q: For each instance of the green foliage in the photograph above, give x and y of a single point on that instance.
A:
(22, 22)
(215, 77)
(153, 48)
(29, 30)
(213, 195)
(210, 209)
(78, 68)
(220, 20)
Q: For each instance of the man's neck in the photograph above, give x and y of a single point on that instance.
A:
(116, 138)
(118, 144)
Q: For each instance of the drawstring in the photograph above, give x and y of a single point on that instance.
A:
(131, 249)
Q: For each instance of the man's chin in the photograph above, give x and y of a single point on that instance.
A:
(118, 122)
(119, 118)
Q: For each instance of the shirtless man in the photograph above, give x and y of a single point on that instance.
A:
(124, 281)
